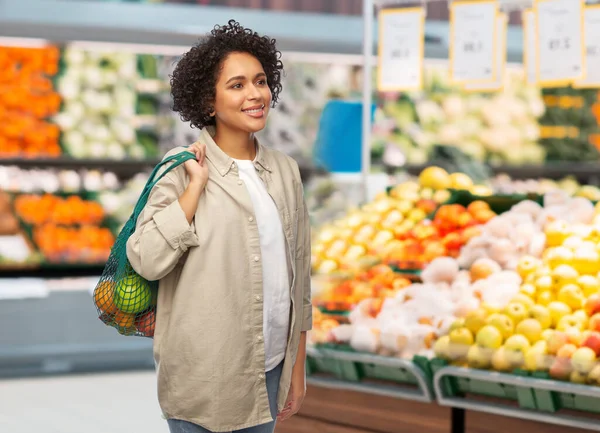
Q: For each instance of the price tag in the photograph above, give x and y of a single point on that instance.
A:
(472, 53)
(401, 49)
(498, 83)
(592, 45)
(529, 44)
(560, 42)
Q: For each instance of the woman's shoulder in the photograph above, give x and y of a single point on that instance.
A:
(177, 175)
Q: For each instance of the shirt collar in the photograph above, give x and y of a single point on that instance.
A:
(224, 162)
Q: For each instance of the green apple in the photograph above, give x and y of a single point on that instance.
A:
(531, 329)
(541, 314)
(133, 294)
(504, 324)
(489, 337)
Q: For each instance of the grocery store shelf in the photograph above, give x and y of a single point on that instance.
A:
(464, 402)
(126, 166)
(422, 392)
(52, 271)
(165, 28)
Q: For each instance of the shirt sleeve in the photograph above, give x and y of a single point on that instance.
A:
(162, 233)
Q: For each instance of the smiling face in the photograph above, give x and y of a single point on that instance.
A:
(242, 96)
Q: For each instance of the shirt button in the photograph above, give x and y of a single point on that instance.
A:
(256, 258)
(261, 376)
(257, 297)
(259, 338)
(240, 182)
(250, 219)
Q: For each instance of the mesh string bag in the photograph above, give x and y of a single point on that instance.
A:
(124, 299)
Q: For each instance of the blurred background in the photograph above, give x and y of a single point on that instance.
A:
(85, 116)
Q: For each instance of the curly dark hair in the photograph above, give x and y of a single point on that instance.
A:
(194, 79)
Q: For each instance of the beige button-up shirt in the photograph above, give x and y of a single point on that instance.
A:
(208, 344)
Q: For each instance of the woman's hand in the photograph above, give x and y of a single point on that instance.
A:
(294, 400)
(197, 170)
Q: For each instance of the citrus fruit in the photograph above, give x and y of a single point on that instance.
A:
(104, 297)
(460, 181)
(435, 178)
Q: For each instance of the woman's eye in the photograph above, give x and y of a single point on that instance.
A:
(236, 86)
(262, 82)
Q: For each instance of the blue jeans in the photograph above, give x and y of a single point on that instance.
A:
(272, 379)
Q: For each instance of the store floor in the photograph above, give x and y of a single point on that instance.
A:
(125, 402)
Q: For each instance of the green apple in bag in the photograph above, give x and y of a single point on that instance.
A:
(133, 294)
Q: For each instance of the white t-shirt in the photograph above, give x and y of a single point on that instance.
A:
(276, 285)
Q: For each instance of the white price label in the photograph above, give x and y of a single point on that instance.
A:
(592, 48)
(401, 49)
(560, 42)
(498, 83)
(529, 44)
(473, 41)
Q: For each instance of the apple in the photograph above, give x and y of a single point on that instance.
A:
(564, 274)
(146, 323)
(547, 333)
(543, 283)
(489, 337)
(594, 322)
(458, 323)
(531, 329)
(574, 335)
(592, 340)
(593, 377)
(569, 321)
(589, 284)
(528, 265)
(536, 358)
(460, 340)
(592, 304)
(528, 289)
(586, 260)
(566, 351)
(571, 295)
(557, 310)
(441, 347)
(541, 314)
(557, 340)
(583, 316)
(544, 298)
(556, 232)
(577, 377)
(479, 357)
(516, 345)
(503, 323)
(583, 360)
(516, 311)
(132, 295)
(560, 369)
(523, 299)
(475, 320)
(500, 360)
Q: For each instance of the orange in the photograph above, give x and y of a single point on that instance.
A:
(477, 206)
(125, 320)
(104, 297)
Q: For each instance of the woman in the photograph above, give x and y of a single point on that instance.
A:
(228, 237)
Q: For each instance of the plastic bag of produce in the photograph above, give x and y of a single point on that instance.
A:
(124, 299)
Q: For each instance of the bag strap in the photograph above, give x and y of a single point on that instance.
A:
(153, 179)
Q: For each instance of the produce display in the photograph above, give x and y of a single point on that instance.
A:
(27, 100)
(99, 118)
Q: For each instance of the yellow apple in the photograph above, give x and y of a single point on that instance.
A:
(536, 358)
(586, 260)
(504, 324)
(543, 283)
(583, 360)
(479, 357)
(569, 321)
(460, 341)
(522, 298)
(564, 274)
(458, 323)
(528, 265)
(516, 311)
(489, 337)
(558, 256)
(593, 377)
(557, 311)
(531, 329)
(541, 314)
(516, 346)
(589, 284)
(475, 320)
(500, 360)
(528, 289)
(577, 377)
(545, 298)
(571, 295)
(441, 347)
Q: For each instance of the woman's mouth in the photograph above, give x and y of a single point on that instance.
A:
(256, 112)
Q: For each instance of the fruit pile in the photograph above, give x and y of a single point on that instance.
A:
(373, 231)
(48, 208)
(451, 228)
(129, 305)
(27, 98)
(553, 324)
(378, 283)
(70, 244)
